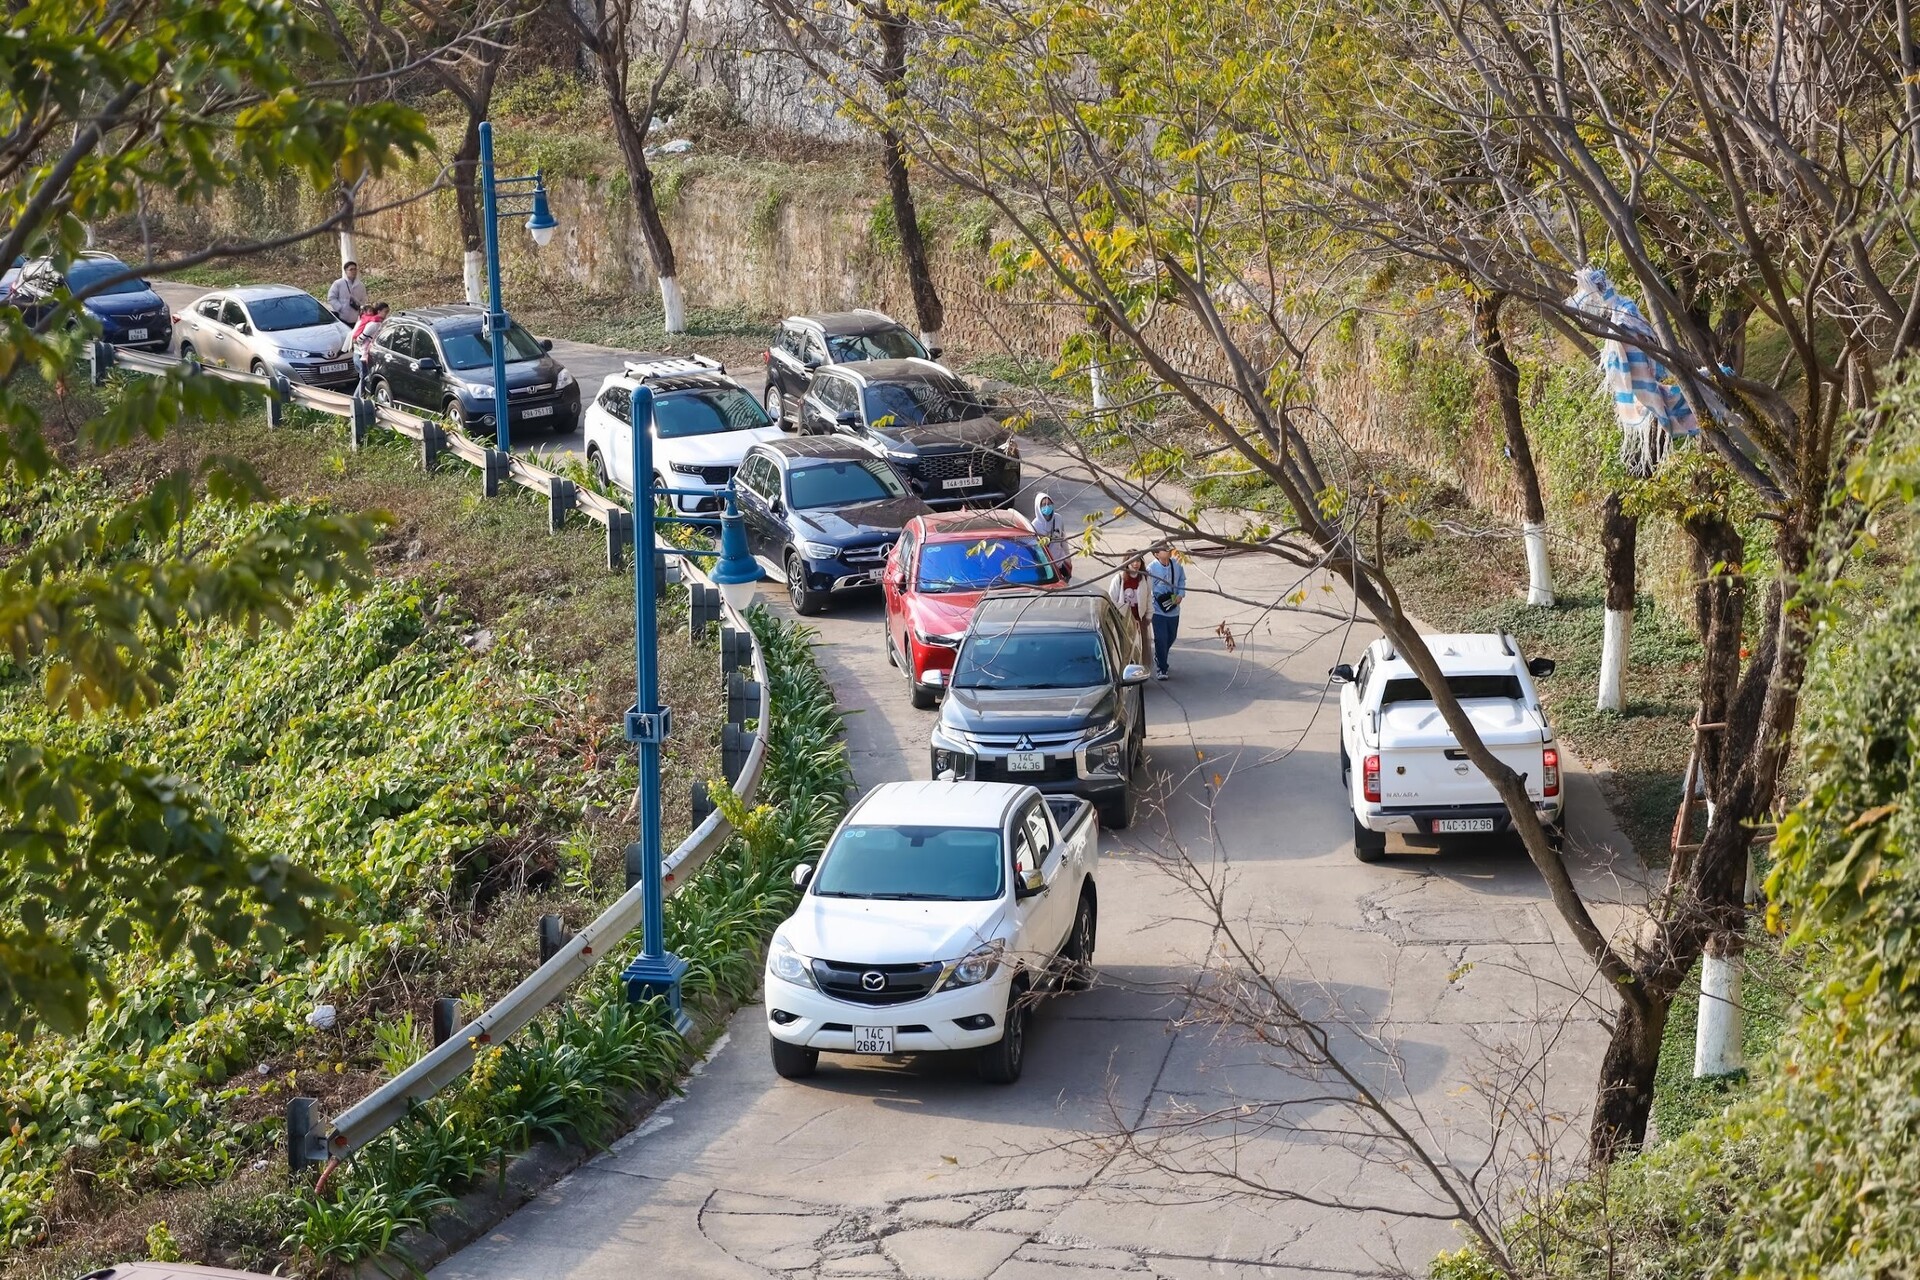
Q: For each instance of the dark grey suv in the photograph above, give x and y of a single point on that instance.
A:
(439, 359)
(939, 433)
(807, 343)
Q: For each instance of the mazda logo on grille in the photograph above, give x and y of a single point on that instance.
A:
(873, 980)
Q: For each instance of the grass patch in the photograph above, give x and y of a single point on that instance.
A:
(1768, 1002)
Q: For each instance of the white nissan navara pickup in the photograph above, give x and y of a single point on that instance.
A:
(939, 911)
(1404, 770)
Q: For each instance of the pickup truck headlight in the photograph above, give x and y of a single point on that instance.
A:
(819, 551)
(973, 968)
(788, 965)
(1105, 750)
(946, 759)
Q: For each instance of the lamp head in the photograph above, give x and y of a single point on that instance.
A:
(736, 571)
(541, 224)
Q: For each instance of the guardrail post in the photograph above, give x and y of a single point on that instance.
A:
(743, 696)
(446, 1012)
(360, 421)
(279, 391)
(99, 360)
(735, 743)
(304, 1145)
(636, 859)
(703, 608)
(560, 500)
(433, 443)
(494, 473)
(553, 935)
(736, 649)
(619, 538)
(702, 803)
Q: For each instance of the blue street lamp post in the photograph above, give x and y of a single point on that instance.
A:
(656, 971)
(540, 224)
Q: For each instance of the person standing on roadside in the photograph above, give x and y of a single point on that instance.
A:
(1131, 593)
(1053, 536)
(347, 297)
(360, 345)
(1168, 579)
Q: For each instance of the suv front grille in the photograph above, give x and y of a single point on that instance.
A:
(899, 983)
(716, 475)
(949, 466)
(537, 389)
(870, 555)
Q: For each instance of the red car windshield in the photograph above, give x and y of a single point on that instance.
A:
(982, 564)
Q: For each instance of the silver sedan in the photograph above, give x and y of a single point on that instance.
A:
(267, 328)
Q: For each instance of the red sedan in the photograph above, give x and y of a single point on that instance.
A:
(939, 569)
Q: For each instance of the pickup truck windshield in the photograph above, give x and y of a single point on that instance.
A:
(1408, 689)
(923, 864)
(976, 565)
(1030, 660)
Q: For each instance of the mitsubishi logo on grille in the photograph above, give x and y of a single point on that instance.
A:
(1025, 743)
(873, 980)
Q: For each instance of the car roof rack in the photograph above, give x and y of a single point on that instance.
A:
(671, 367)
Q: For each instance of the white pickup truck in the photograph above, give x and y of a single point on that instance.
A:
(1404, 770)
(939, 911)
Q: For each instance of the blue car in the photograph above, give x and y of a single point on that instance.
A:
(129, 312)
(821, 514)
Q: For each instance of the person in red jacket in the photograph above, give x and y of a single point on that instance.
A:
(360, 345)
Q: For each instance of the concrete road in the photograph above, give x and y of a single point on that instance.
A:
(1435, 975)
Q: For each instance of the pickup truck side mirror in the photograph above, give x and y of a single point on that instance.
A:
(1029, 884)
(803, 875)
(1133, 673)
(1540, 668)
(1342, 674)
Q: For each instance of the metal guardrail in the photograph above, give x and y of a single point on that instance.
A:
(449, 1060)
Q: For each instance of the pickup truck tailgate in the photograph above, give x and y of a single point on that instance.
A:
(1422, 764)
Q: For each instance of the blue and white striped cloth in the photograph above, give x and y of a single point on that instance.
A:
(1651, 408)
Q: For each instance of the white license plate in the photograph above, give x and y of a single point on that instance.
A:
(333, 368)
(538, 411)
(873, 1039)
(1026, 762)
(1458, 826)
(962, 482)
(136, 335)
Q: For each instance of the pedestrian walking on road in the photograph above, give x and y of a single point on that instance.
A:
(1053, 536)
(1168, 579)
(360, 345)
(1131, 593)
(347, 297)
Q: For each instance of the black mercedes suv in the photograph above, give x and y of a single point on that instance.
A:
(821, 515)
(1046, 690)
(935, 429)
(440, 359)
(805, 343)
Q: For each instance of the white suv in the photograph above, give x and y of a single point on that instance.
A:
(703, 423)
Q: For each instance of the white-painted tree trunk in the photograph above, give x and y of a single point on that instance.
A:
(930, 339)
(1539, 572)
(473, 276)
(1716, 1037)
(1613, 659)
(674, 303)
(1098, 378)
(347, 252)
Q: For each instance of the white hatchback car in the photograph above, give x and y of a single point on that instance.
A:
(703, 424)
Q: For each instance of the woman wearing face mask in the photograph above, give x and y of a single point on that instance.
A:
(1053, 536)
(1131, 593)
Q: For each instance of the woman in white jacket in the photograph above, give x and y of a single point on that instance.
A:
(1053, 536)
(1132, 592)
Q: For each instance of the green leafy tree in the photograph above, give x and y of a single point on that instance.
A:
(99, 103)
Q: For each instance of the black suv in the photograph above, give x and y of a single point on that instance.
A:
(1046, 690)
(805, 343)
(938, 431)
(130, 313)
(439, 359)
(821, 515)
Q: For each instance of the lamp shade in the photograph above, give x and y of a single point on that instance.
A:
(541, 224)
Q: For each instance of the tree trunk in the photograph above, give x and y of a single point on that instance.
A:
(1624, 1102)
(1619, 536)
(646, 204)
(927, 307)
(1717, 1047)
(1492, 343)
(466, 197)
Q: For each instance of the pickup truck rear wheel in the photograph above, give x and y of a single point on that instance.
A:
(1116, 814)
(1000, 1062)
(791, 1061)
(1086, 926)
(1368, 846)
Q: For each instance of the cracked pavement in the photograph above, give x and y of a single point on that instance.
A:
(1437, 976)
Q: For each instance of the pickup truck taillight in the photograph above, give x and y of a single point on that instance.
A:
(1370, 778)
(1549, 772)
